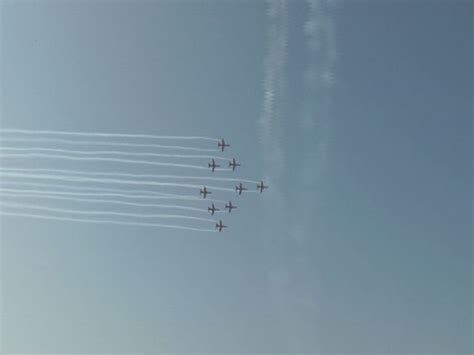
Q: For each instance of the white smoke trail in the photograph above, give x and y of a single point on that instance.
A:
(85, 188)
(100, 134)
(111, 152)
(104, 201)
(101, 189)
(103, 221)
(111, 181)
(105, 174)
(115, 160)
(117, 144)
(66, 193)
(103, 213)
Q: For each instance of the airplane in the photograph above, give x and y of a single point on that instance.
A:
(261, 186)
(204, 192)
(220, 226)
(230, 206)
(233, 163)
(222, 144)
(240, 188)
(212, 209)
(212, 165)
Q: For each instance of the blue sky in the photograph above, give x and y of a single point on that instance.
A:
(357, 113)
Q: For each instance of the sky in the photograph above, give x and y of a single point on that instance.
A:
(357, 113)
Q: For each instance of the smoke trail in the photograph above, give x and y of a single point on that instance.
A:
(103, 213)
(65, 193)
(117, 144)
(105, 174)
(111, 152)
(85, 188)
(105, 194)
(114, 202)
(111, 181)
(98, 134)
(103, 221)
(116, 160)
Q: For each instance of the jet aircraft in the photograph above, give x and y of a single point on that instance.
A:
(261, 186)
(220, 226)
(240, 188)
(212, 209)
(230, 206)
(222, 144)
(233, 163)
(204, 192)
(212, 165)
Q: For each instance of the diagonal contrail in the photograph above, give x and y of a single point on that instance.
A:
(105, 174)
(111, 181)
(103, 213)
(19, 193)
(111, 152)
(101, 134)
(103, 221)
(116, 144)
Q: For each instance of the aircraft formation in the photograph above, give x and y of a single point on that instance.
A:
(36, 169)
(240, 188)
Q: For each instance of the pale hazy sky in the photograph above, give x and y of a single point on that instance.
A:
(358, 113)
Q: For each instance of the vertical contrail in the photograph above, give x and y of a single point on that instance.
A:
(274, 85)
(314, 123)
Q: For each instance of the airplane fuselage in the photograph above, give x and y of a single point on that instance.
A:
(213, 165)
(261, 187)
(233, 164)
(204, 192)
(222, 144)
(212, 209)
(220, 226)
(240, 188)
